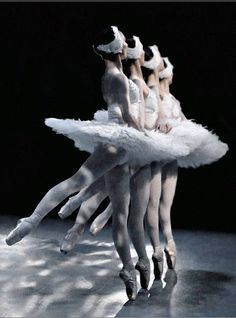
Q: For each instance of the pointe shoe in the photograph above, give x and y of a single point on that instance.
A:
(158, 262)
(170, 251)
(23, 228)
(66, 210)
(129, 279)
(71, 239)
(95, 228)
(143, 266)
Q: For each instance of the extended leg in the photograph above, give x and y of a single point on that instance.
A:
(101, 220)
(104, 158)
(169, 180)
(75, 201)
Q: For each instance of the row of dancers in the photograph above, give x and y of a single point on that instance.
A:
(136, 147)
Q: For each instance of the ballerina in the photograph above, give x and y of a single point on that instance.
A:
(139, 184)
(164, 177)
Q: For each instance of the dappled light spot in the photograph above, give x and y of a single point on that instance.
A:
(38, 262)
(83, 283)
(102, 272)
(25, 284)
(96, 262)
(44, 272)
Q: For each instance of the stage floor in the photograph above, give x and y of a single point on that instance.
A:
(38, 281)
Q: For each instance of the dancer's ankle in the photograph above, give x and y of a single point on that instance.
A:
(158, 250)
(170, 241)
(144, 259)
(35, 218)
(79, 227)
(128, 266)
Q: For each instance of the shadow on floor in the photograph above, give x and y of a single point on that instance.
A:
(195, 294)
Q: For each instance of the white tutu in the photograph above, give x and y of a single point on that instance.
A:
(191, 144)
(204, 146)
(140, 149)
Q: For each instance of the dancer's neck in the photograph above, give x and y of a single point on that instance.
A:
(135, 70)
(153, 80)
(164, 87)
(110, 64)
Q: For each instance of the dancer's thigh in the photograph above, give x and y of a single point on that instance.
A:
(169, 180)
(117, 187)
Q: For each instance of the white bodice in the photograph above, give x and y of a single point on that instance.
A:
(151, 109)
(134, 95)
(114, 111)
(171, 106)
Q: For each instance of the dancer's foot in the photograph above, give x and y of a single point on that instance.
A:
(101, 220)
(170, 251)
(143, 266)
(71, 239)
(158, 262)
(66, 210)
(23, 228)
(96, 228)
(129, 278)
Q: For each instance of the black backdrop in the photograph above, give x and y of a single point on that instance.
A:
(48, 69)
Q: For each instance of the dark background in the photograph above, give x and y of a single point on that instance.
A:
(48, 69)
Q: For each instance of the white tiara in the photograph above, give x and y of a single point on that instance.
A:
(136, 51)
(116, 46)
(155, 61)
(168, 71)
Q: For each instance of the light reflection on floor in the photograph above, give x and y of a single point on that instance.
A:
(37, 280)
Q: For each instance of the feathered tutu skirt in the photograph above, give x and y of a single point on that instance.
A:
(189, 143)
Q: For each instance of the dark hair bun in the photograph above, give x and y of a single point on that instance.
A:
(105, 36)
(130, 42)
(148, 54)
(164, 62)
